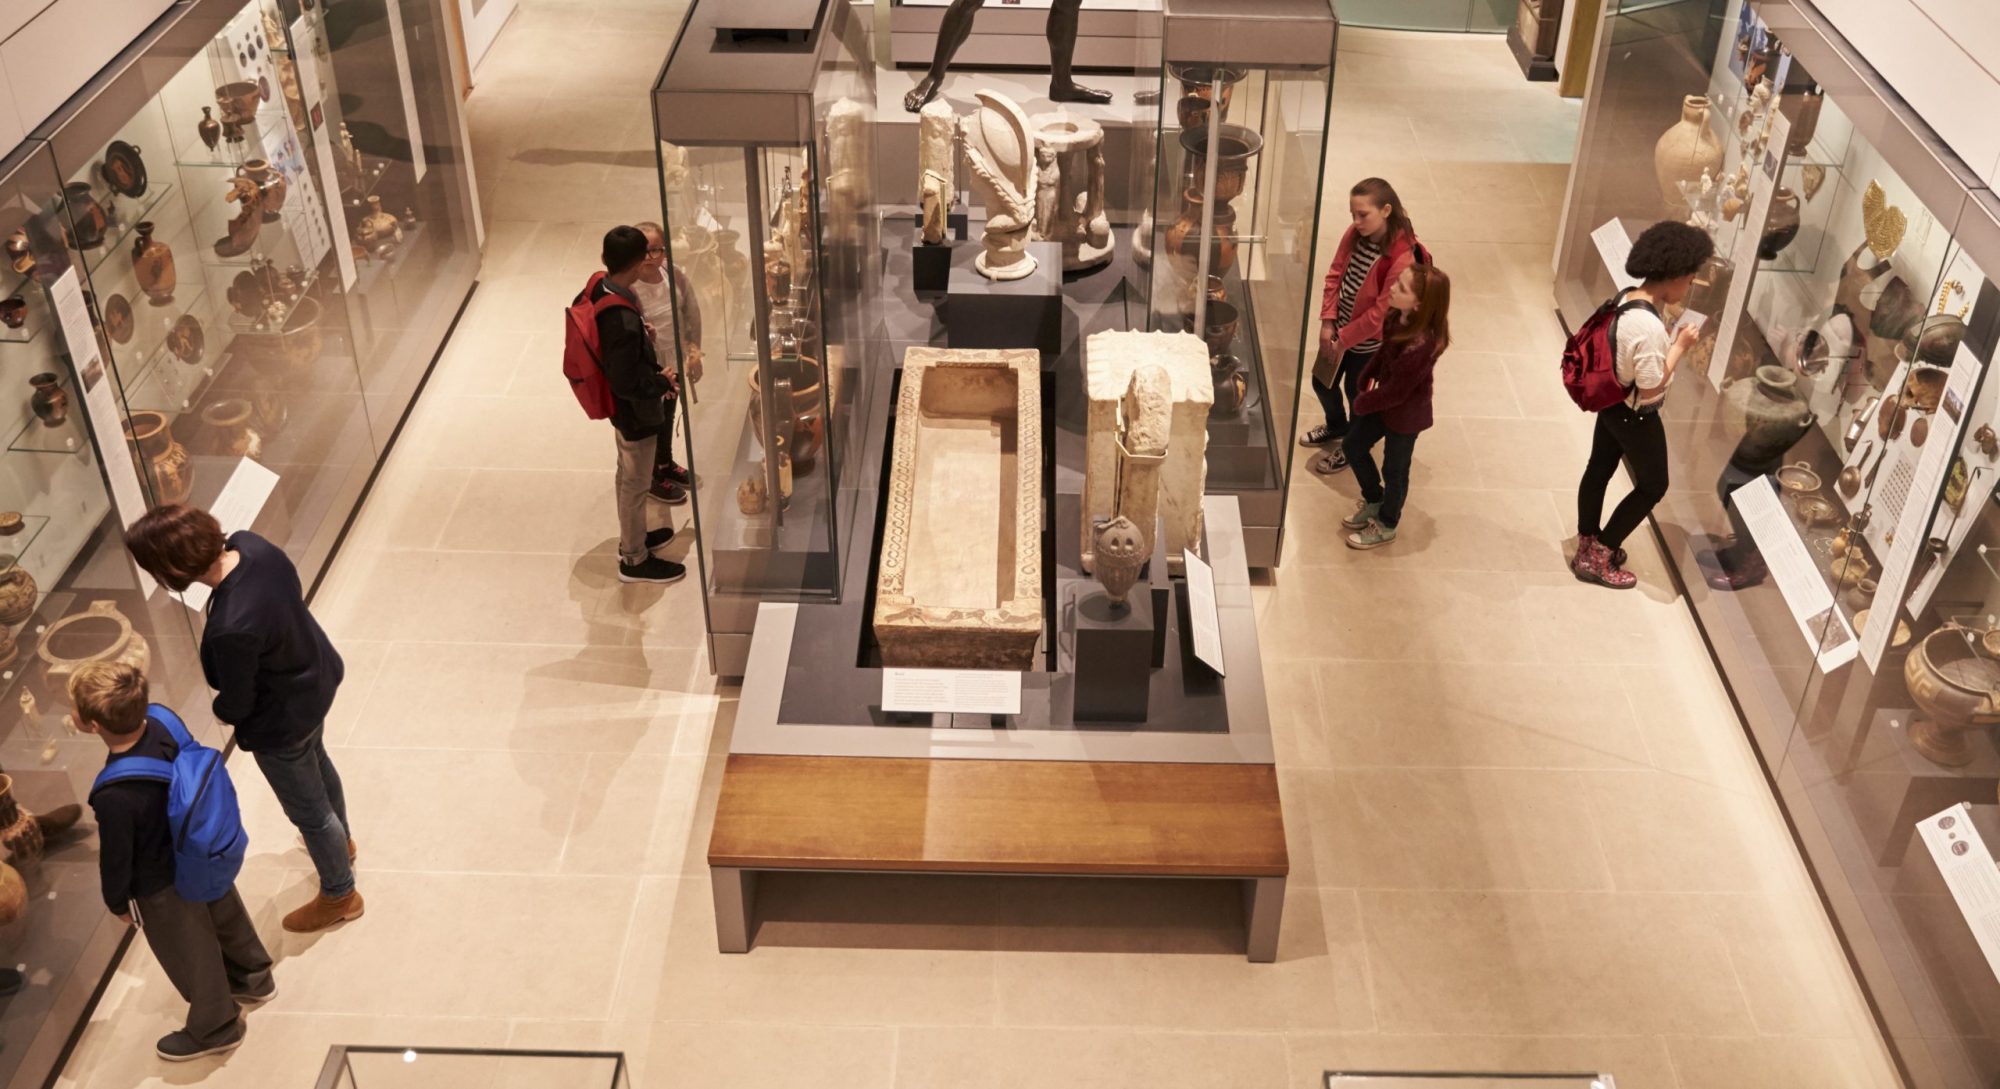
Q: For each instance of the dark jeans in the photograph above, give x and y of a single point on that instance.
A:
(1641, 439)
(1345, 377)
(1391, 486)
(308, 788)
(663, 447)
(209, 952)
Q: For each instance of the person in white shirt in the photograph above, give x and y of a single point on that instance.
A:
(657, 301)
(1665, 259)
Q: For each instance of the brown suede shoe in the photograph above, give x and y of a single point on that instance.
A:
(324, 911)
(59, 820)
(353, 852)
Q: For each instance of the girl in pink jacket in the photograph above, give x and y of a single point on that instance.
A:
(1372, 254)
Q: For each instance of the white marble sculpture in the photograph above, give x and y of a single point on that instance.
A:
(937, 165)
(1109, 360)
(1000, 151)
(849, 151)
(1074, 214)
(1145, 426)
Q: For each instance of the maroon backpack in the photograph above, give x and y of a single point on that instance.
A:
(1590, 363)
(581, 353)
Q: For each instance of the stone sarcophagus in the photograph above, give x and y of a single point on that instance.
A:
(959, 584)
(1109, 360)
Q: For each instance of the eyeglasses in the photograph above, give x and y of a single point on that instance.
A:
(656, 251)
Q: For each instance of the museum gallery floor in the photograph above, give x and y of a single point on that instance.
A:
(1497, 862)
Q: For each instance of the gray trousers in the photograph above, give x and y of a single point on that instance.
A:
(635, 475)
(210, 952)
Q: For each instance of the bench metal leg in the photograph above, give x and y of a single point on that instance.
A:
(735, 897)
(1263, 911)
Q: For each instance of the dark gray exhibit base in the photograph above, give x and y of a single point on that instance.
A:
(1114, 655)
(980, 312)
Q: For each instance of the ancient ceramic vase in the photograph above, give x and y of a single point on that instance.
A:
(292, 350)
(87, 218)
(165, 458)
(1198, 90)
(13, 894)
(1232, 386)
(1768, 412)
(153, 262)
(378, 230)
(20, 835)
(1804, 112)
(1183, 241)
(17, 593)
(50, 401)
(226, 428)
(1953, 688)
(208, 128)
(808, 414)
(1121, 552)
(100, 633)
(238, 102)
(1781, 226)
(1238, 146)
(1935, 341)
(249, 222)
(270, 184)
(1219, 328)
(1684, 152)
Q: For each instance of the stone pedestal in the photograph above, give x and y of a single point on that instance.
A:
(1069, 196)
(1109, 359)
(1114, 657)
(1025, 313)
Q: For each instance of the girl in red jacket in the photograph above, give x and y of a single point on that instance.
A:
(1393, 404)
(1373, 252)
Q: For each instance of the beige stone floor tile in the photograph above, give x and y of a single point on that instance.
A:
(1527, 454)
(279, 1048)
(1487, 716)
(1292, 693)
(769, 1056)
(1778, 1063)
(633, 815)
(1456, 828)
(1538, 389)
(1567, 621)
(829, 949)
(1790, 967)
(1690, 727)
(1473, 221)
(405, 510)
(1129, 953)
(532, 510)
(1664, 833)
(364, 660)
(987, 1057)
(1636, 1062)
(1547, 964)
(1472, 383)
(475, 944)
(1296, 787)
(1393, 615)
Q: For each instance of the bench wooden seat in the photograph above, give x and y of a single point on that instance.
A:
(1045, 817)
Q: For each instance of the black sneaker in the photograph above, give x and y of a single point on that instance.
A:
(651, 569)
(1319, 436)
(659, 538)
(674, 473)
(252, 999)
(666, 491)
(179, 1047)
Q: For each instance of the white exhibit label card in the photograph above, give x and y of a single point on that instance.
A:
(1970, 873)
(952, 691)
(236, 507)
(395, 13)
(100, 406)
(1201, 613)
(1931, 462)
(1826, 631)
(305, 34)
(1763, 183)
(1614, 245)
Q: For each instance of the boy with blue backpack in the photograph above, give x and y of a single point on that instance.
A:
(170, 843)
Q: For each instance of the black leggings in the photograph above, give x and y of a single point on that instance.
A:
(1641, 439)
(663, 446)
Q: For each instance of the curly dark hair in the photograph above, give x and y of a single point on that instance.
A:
(1668, 251)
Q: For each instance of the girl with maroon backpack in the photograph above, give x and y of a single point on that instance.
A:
(1375, 250)
(1665, 259)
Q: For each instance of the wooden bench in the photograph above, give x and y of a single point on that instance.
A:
(1040, 817)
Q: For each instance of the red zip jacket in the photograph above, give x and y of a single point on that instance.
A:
(1371, 303)
(1396, 383)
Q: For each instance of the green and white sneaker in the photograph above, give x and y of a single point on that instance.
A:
(1372, 535)
(1364, 513)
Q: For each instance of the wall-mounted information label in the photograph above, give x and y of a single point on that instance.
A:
(1826, 632)
(1614, 245)
(100, 405)
(395, 14)
(242, 499)
(1970, 873)
(952, 691)
(1207, 630)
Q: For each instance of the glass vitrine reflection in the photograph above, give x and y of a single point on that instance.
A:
(1235, 226)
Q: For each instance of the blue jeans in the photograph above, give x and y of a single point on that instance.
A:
(308, 788)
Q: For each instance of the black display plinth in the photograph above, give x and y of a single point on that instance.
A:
(1023, 313)
(932, 267)
(1114, 655)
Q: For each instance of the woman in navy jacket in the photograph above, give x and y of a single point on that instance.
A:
(1393, 404)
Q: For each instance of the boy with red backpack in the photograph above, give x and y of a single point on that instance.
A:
(1618, 365)
(615, 372)
(170, 843)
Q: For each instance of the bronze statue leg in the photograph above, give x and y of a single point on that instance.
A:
(1062, 49)
(956, 28)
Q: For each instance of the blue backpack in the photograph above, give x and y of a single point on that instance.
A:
(207, 826)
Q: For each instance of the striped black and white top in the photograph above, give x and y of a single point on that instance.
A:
(1359, 263)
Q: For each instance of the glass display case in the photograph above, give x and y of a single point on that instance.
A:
(767, 162)
(274, 274)
(1833, 442)
(354, 1067)
(1235, 233)
(69, 593)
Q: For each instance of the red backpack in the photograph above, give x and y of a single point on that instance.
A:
(1590, 364)
(581, 353)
